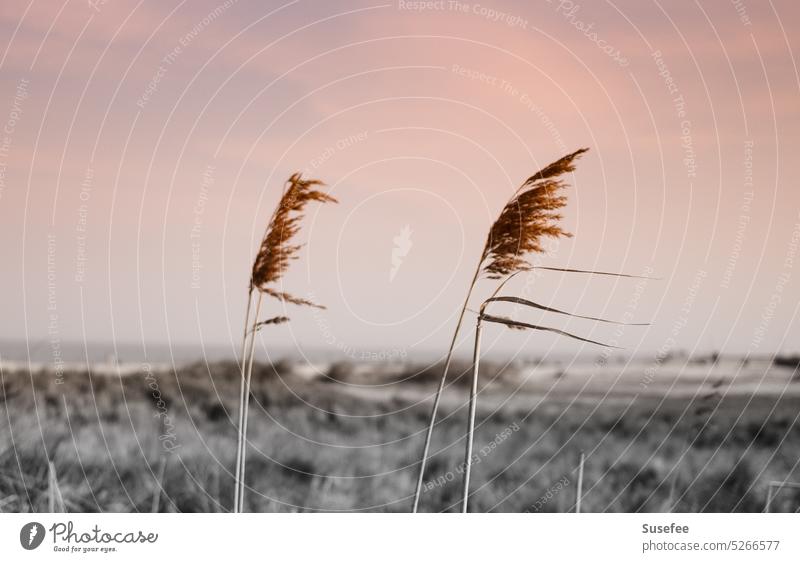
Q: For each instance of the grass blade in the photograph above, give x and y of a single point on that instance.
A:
(55, 499)
(590, 272)
(523, 326)
(525, 302)
(159, 487)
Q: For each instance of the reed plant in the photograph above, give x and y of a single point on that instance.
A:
(532, 214)
(276, 252)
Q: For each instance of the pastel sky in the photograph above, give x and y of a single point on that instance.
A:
(146, 143)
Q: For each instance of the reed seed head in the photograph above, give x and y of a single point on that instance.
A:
(277, 249)
(530, 215)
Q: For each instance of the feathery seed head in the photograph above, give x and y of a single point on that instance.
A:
(527, 218)
(277, 249)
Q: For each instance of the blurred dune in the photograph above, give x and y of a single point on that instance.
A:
(682, 434)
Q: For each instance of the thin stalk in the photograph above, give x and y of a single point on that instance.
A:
(579, 489)
(439, 390)
(768, 505)
(51, 492)
(162, 467)
(55, 499)
(473, 403)
(236, 505)
(246, 404)
(672, 488)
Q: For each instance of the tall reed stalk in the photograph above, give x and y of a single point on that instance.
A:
(275, 253)
(473, 405)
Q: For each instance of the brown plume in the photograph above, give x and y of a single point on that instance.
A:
(277, 249)
(528, 217)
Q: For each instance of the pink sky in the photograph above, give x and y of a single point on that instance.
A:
(146, 143)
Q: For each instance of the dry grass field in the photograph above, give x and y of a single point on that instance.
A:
(347, 439)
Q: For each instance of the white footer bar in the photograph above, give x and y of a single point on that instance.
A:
(401, 537)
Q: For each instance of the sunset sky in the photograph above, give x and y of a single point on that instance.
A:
(145, 144)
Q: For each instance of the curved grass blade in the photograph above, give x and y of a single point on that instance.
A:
(569, 270)
(286, 297)
(532, 304)
(275, 320)
(514, 324)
